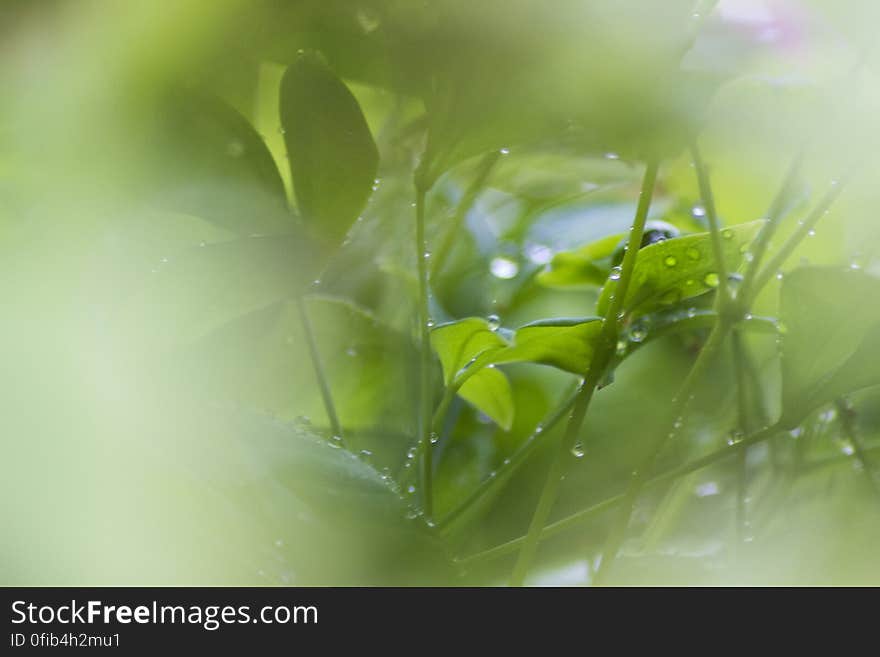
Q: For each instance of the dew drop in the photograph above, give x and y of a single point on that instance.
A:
(638, 333)
(692, 253)
(698, 211)
(434, 438)
(504, 151)
(503, 268)
(615, 274)
(727, 233)
(707, 489)
(670, 261)
(610, 155)
(578, 450)
(734, 437)
(494, 322)
(539, 254)
(711, 279)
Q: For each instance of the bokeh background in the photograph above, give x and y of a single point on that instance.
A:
(159, 417)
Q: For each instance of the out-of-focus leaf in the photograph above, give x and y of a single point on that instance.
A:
(205, 287)
(211, 163)
(315, 501)
(550, 177)
(458, 343)
(831, 342)
(670, 271)
(333, 159)
(262, 360)
(574, 269)
(489, 391)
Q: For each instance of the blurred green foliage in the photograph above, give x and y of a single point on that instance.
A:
(177, 183)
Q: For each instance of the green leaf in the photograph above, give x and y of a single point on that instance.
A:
(489, 391)
(333, 159)
(212, 164)
(204, 287)
(307, 499)
(458, 343)
(567, 344)
(831, 341)
(262, 360)
(670, 271)
(580, 268)
(469, 350)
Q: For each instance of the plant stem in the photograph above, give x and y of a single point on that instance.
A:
(846, 415)
(640, 474)
(774, 216)
(320, 374)
(605, 350)
(484, 168)
(424, 409)
(719, 332)
(762, 324)
(738, 350)
(708, 199)
(804, 229)
(503, 473)
(596, 509)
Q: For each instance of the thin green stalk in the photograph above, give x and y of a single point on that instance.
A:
(596, 509)
(528, 446)
(640, 474)
(604, 353)
(804, 228)
(425, 392)
(682, 398)
(738, 350)
(518, 458)
(774, 216)
(442, 409)
(846, 415)
(708, 199)
(484, 168)
(320, 374)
